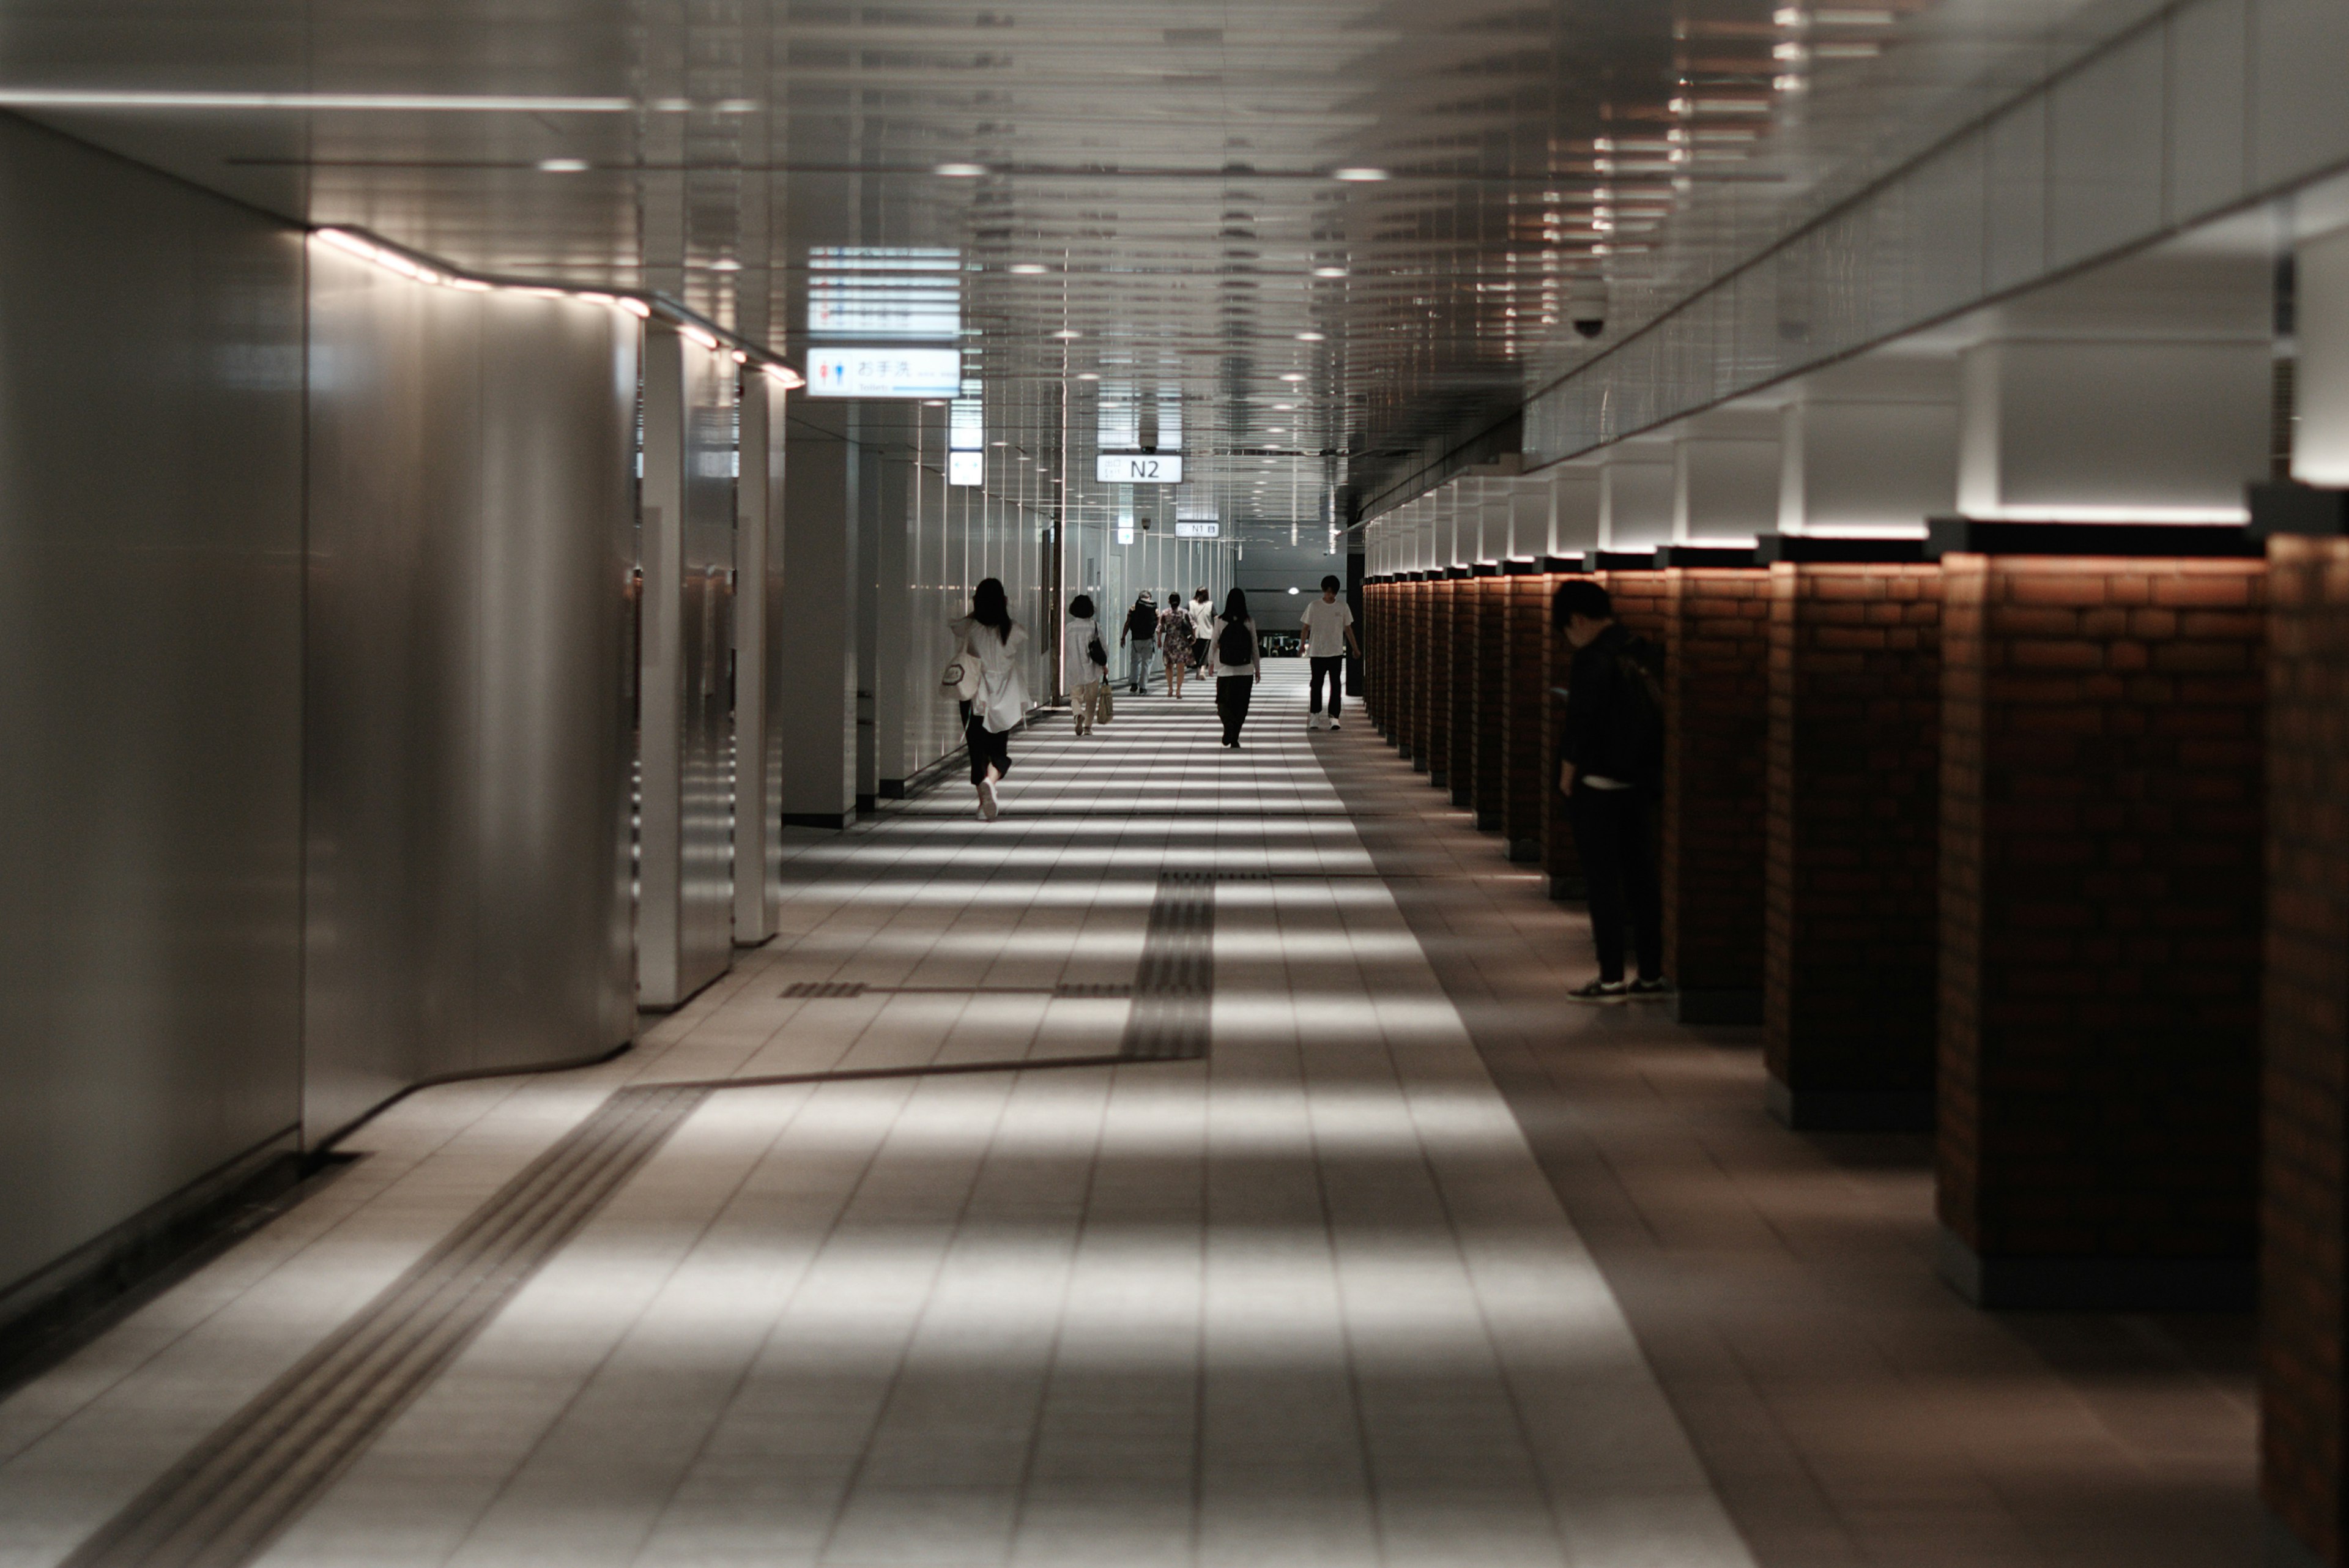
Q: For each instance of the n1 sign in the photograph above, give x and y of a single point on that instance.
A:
(1138, 468)
(885, 372)
(1198, 530)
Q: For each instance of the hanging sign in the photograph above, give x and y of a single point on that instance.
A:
(1185, 529)
(1139, 468)
(885, 372)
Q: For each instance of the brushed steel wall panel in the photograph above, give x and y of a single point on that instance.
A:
(685, 922)
(465, 644)
(759, 678)
(150, 430)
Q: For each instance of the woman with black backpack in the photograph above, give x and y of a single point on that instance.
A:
(1233, 657)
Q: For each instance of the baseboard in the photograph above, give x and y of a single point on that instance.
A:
(1568, 889)
(1437, 778)
(1460, 797)
(834, 820)
(1526, 851)
(1704, 1006)
(1489, 822)
(2098, 1284)
(2280, 1548)
(1418, 764)
(51, 1313)
(1849, 1110)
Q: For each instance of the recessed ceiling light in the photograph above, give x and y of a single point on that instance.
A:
(1066, 333)
(1309, 337)
(1361, 176)
(726, 264)
(1329, 272)
(1087, 375)
(1284, 408)
(562, 165)
(960, 171)
(1026, 269)
(1292, 378)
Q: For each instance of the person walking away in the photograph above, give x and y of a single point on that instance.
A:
(1084, 665)
(1174, 640)
(1140, 632)
(1611, 766)
(1236, 666)
(1202, 628)
(1328, 626)
(989, 634)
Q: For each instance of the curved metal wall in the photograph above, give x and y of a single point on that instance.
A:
(150, 604)
(471, 513)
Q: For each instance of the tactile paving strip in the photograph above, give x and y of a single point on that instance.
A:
(242, 1487)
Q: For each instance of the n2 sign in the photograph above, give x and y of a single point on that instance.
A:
(1138, 468)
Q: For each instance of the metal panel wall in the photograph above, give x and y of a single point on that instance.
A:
(760, 685)
(150, 593)
(686, 911)
(469, 509)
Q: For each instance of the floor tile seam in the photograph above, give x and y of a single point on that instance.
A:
(848, 1482)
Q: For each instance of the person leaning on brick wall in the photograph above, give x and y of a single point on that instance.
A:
(1610, 759)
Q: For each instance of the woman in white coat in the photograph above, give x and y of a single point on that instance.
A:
(990, 636)
(1085, 676)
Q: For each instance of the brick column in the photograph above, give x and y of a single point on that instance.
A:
(1491, 681)
(1525, 695)
(1460, 750)
(2304, 1178)
(1442, 608)
(1420, 664)
(2102, 898)
(1850, 932)
(1716, 737)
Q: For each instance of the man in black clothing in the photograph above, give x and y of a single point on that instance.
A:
(1611, 761)
(1140, 632)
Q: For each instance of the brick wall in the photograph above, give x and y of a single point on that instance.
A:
(1492, 680)
(1850, 932)
(1460, 698)
(1525, 695)
(1716, 732)
(1419, 659)
(1436, 731)
(2305, 1187)
(1559, 861)
(2100, 913)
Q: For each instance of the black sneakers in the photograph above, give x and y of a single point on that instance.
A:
(1602, 990)
(1651, 989)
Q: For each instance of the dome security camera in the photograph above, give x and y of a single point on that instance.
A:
(1585, 305)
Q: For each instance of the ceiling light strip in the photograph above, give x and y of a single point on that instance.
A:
(419, 268)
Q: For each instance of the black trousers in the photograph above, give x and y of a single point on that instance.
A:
(1334, 668)
(986, 746)
(1610, 834)
(1233, 695)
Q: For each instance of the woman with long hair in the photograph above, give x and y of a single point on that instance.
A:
(992, 638)
(1232, 655)
(1174, 640)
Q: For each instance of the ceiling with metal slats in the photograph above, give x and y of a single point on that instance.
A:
(1346, 237)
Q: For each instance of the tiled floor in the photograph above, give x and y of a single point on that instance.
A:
(1848, 1406)
(1309, 1301)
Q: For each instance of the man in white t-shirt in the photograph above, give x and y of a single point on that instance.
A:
(1328, 626)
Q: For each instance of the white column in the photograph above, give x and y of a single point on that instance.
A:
(1532, 504)
(1636, 494)
(2320, 438)
(1725, 476)
(1871, 448)
(1574, 499)
(760, 682)
(2134, 429)
(817, 631)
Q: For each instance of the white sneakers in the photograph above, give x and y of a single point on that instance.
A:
(1320, 722)
(988, 804)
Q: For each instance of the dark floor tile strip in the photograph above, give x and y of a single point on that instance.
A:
(244, 1485)
(1175, 984)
